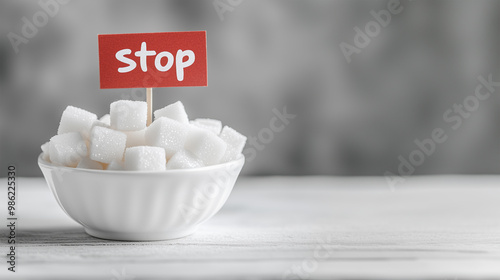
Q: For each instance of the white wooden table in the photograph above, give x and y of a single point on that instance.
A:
(445, 227)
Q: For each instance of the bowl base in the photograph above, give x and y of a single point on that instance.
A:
(141, 236)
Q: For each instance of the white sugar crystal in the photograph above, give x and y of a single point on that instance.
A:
(183, 159)
(106, 144)
(106, 119)
(214, 126)
(205, 145)
(235, 143)
(115, 165)
(145, 158)
(128, 115)
(168, 134)
(45, 150)
(87, 163)
(67, 149)
(76, 120)
(173, 111)
(136, 138)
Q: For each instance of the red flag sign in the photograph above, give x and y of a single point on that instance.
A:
(147, 60)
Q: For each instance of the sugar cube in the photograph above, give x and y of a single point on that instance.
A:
(45, 150)
(106, 144)
(145, 158)
(168, 134)
(76, 120)
(106, 119)
(67, 149)
(87, 163)
(101, 124)
(174, 111)
(183, 159)
(128, 115)
(235, 143)
(214, 126)
(115, 165)
(205, 145)
(135, 138)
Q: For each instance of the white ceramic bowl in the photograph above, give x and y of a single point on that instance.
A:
(141, 205)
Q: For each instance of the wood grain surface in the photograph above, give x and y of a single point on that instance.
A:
(438, 227)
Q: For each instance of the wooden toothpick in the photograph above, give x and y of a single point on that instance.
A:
(149, 100)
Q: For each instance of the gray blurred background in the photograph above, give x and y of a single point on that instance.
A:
(353, 118)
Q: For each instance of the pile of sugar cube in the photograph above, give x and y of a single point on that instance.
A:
(121, 140)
